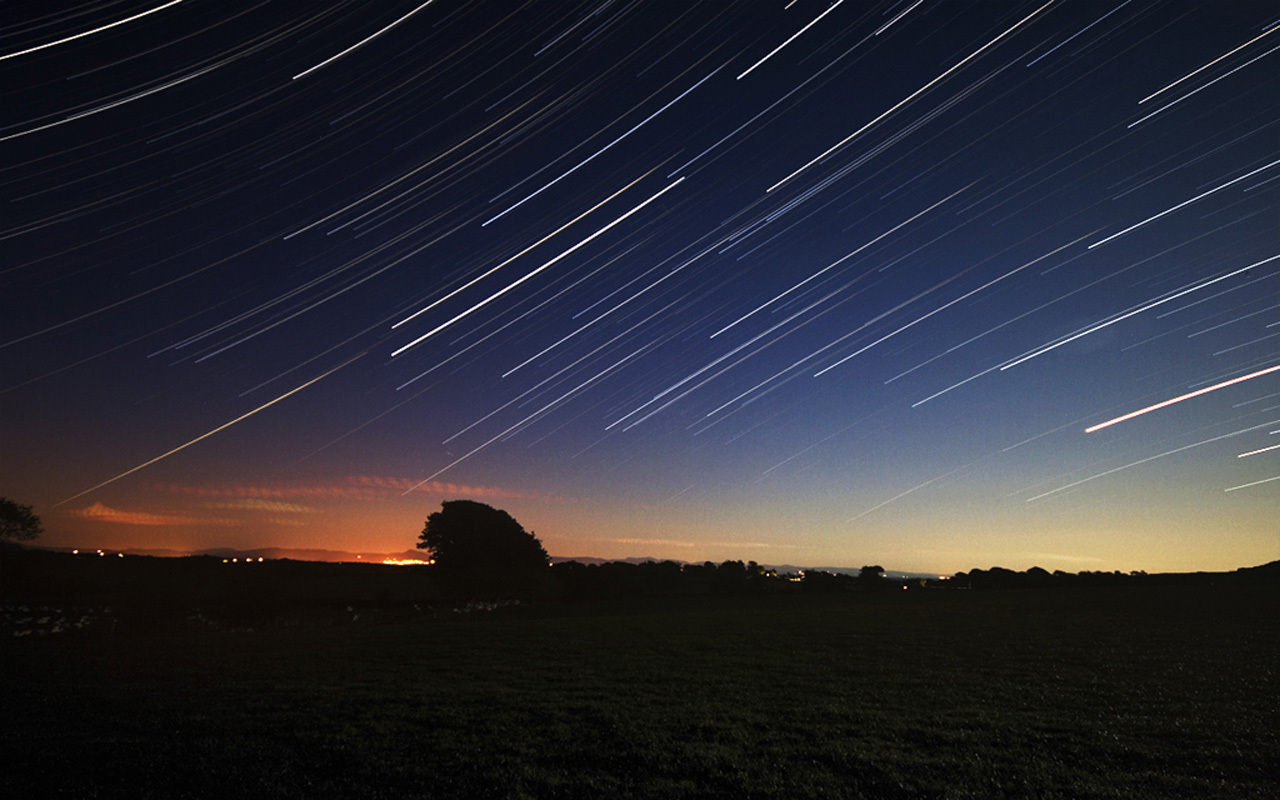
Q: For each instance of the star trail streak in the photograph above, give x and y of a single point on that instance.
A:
(534, 272)
(909, 98)
(871, 282)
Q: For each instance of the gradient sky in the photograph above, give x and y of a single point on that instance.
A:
(810, 283)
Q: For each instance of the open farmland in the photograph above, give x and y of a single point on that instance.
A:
(1153, 691)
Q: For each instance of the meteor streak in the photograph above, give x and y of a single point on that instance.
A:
(362, 42)
(1173, 103)
(83, 34)
(1182, 204)
(1144, 307)
(1077, 33)
(1210, 64)
(913, 489)
(1259, 450)
(944, 307)
(1149, 459)
(1252, 483)
(489, 272)
(204, 436)
(797, 33)
(589, 158)
(1182, 397)
(838, 262)
(531, 417)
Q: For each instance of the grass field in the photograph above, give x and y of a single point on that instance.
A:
(1116, 692)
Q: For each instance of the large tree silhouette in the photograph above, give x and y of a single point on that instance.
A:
(466, 535)
(17, 523)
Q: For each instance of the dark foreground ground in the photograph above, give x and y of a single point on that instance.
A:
(1117, 692)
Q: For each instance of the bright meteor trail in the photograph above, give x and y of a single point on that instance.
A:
(83, 34)
(1181, 397)
(204, 436)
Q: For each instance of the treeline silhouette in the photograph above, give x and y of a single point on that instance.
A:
(657, 578)
(571, 579)
(1037, 577)
(159, 587)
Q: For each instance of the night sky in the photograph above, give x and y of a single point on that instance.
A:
(808, 283)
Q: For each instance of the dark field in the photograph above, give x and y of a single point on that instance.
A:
(1105, 691)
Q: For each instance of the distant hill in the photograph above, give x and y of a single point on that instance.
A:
(598, 561)
(1263, 572)
(894, 574)
(781, 569)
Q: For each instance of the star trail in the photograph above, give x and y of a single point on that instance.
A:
(931, 284)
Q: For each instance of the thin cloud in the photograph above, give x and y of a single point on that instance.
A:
(445, 488)
(687, 543)
(102, 513)
(354, 487)
(1062, 557)
(260, 504)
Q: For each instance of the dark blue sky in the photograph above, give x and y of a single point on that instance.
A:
(805, 283)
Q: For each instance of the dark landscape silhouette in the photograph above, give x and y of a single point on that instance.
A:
(524, 677)
(640, 400)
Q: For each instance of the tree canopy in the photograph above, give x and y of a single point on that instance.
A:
(465, 534)
(17, 523)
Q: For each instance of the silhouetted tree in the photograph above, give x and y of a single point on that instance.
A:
(17, 523)
(871, 575)
(731, 575)
(466, 535)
